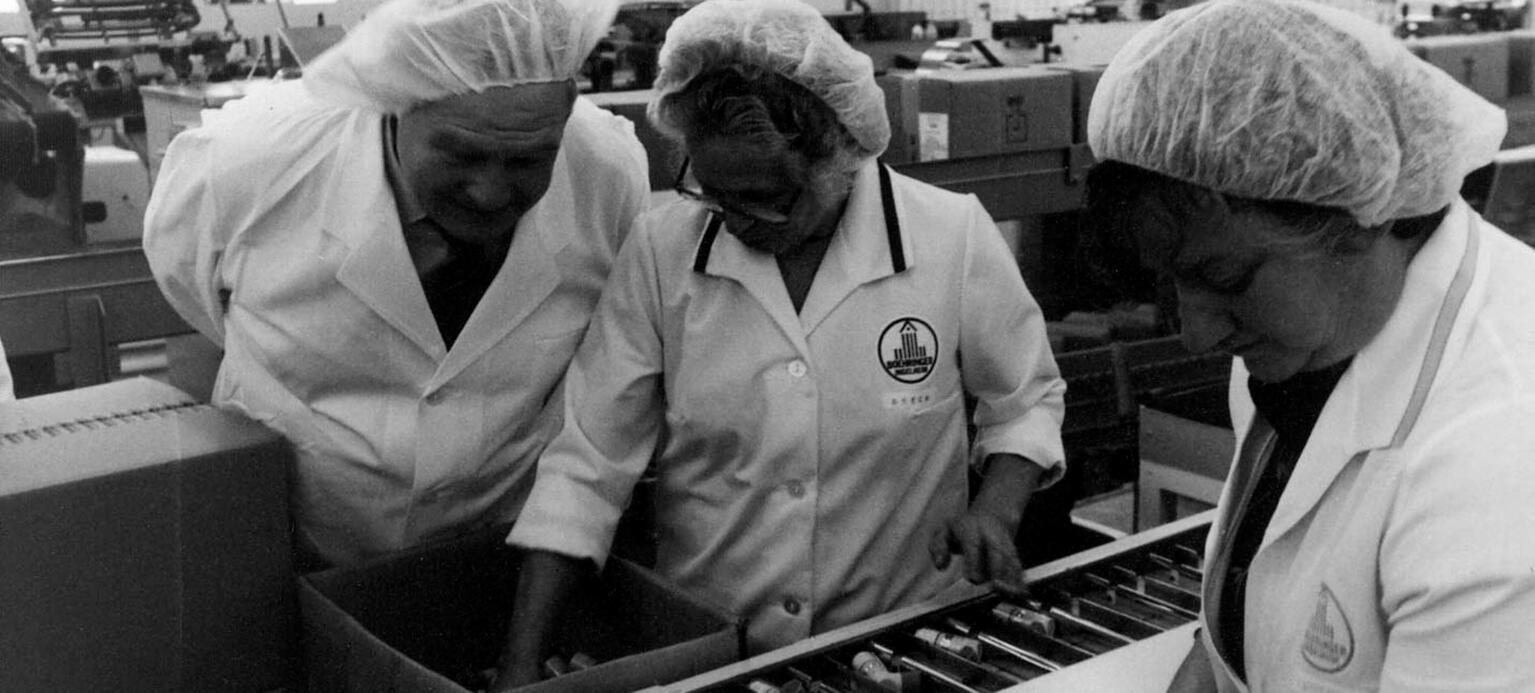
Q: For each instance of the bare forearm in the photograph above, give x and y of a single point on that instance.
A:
(1005, 490)
(544, 587)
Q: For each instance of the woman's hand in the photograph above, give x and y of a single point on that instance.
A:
(985, 534)
(984, 540)
(546, 583)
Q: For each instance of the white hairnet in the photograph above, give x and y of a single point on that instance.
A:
(1291, 100)
(788, 37)
(408, 52)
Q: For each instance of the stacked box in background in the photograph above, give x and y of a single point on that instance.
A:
(1084, 83)
(1479, 61)
(144, 545)
(430, 619)
(968, 113)
(900, 89)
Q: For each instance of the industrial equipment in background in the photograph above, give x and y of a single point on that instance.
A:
(41, 160)
(627, 58)
(96, 53)
(1463, 18)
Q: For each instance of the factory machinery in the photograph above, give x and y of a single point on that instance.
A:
(1117, 617)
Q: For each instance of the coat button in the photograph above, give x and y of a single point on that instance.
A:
(795, 488)
(797, 368)
(791, 606)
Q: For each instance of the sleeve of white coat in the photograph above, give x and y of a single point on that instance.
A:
(186, 232)
(1457, 565)
(1005, 356)
(614, 412)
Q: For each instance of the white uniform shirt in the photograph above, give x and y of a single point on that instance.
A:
(1401, 556)
(803, 459)
(282, 201)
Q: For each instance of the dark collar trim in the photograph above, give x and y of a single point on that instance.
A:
(892, 220)
(705, 245)
(892, 229)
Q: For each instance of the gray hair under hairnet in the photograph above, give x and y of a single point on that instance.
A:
(1291, 100)
(410, 52)
(787, 37)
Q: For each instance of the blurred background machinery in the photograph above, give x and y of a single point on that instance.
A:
(41, 158)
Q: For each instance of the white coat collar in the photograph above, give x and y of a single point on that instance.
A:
(378, 270)
(867, 246)
(1367, 407)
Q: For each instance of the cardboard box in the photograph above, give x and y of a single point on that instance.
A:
(1084, 83)
(429, 619)
(144, 545)
(1479, 61)
(1521, 62)
(900, 90)
(967, 113)
(1184, 464)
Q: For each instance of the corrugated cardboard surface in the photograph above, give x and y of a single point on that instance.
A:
(969, 113)
(426, 620)
(1478, 61)
(144, 545)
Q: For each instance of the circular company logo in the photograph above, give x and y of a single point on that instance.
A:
(1329, 643)
(908, 350)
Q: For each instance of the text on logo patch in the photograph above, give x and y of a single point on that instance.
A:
(908, 350)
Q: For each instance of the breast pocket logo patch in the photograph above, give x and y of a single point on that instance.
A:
(1329, 644)
(908, 350)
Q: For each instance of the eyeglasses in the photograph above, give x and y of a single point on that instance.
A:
(760, 213)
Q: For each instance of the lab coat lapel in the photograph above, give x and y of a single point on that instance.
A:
(378, 269)
(758, 273)
(1369, 403)
(859, 253)
(531, 272)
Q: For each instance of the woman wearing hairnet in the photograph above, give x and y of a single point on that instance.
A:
(785, 344)
(399, 254)
(1296, 171)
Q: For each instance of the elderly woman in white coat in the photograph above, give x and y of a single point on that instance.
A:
(399, 254)
(790, 344)
(1377, 530)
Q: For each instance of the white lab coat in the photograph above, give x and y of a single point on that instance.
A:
(282, 201)
(1401, 556)
(798, 479)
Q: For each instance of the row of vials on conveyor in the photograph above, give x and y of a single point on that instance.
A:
(1095, 608)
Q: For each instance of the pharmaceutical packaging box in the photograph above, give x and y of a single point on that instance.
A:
(966, 113)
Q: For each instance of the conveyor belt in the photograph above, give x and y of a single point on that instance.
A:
(1122, 604)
